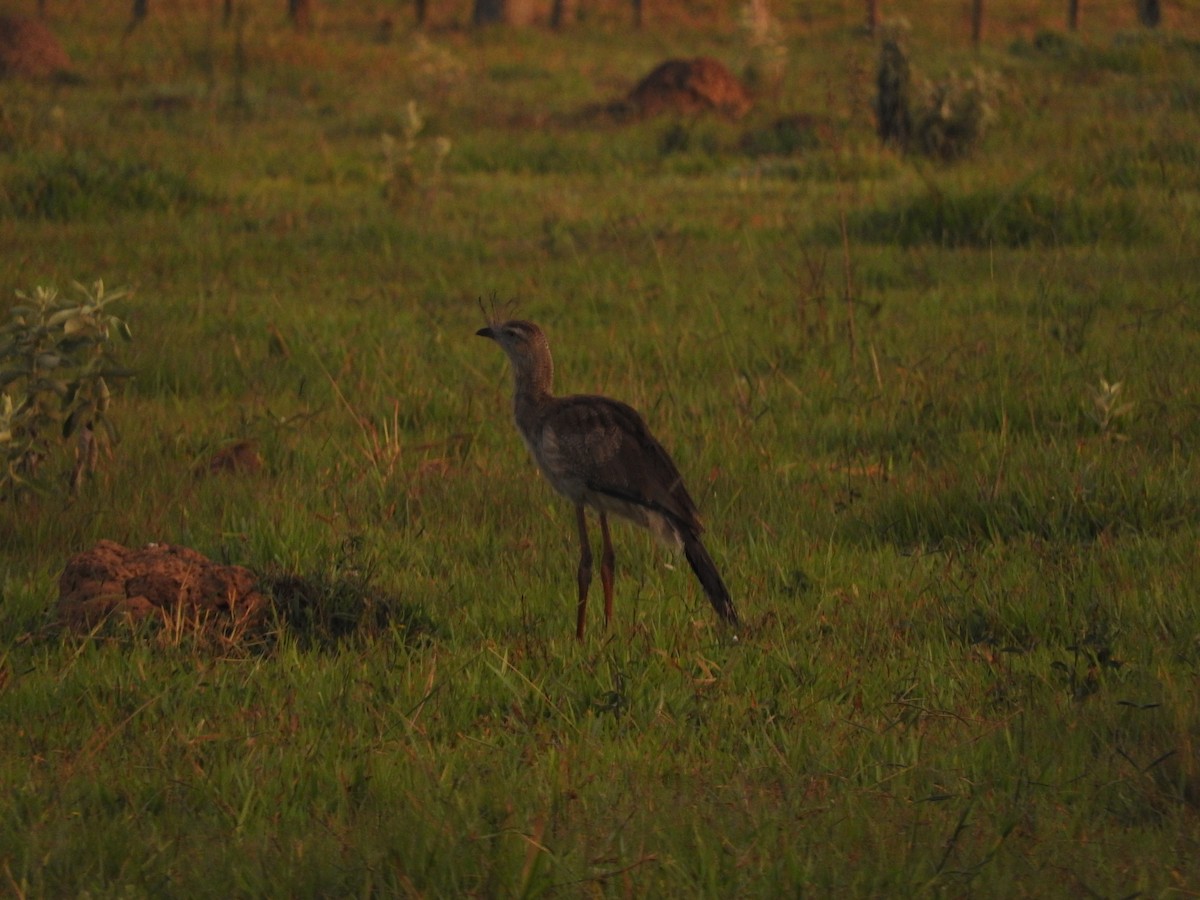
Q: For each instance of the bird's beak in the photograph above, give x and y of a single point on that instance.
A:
(486, 332)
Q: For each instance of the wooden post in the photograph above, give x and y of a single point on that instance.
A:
(488, 12)
(1072, 15)
(301, 14)
(976, 23)
(561, 12)
(848, 290)
(1149, 13)
(141, 8)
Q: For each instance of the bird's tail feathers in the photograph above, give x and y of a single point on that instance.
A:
(710, 578)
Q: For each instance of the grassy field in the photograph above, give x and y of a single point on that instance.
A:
(969, 577)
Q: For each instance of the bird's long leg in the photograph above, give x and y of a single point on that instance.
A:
(607, 558)
(585, 569)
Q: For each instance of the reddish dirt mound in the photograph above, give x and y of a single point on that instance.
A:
(690, 86)
(175, 583)
(28, 49)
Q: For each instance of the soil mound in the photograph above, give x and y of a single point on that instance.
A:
(28, 49)
(690, 86)
(176, 584)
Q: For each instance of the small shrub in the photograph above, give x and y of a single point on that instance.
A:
(1105, 405)
(954, 114)
(408, 164)
(436, 68)
(56, 363)
(946, 122)
(767, 44)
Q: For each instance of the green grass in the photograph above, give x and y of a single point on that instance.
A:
(971, 644)
(76, 187)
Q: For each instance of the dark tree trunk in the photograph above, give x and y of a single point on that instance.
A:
(505, 12)
(1149, 13)
(637, 13)
(976, 23)
(872, 16)
(422, 9)
(301, 14)
(489, 12)
(558, 14)
(1072, 15)
(141, 8)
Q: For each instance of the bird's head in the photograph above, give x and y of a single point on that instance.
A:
(527, 349)
(520, 339)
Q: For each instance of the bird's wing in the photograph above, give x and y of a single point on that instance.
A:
(604, 446)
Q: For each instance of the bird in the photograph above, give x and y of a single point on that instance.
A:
(599, 453)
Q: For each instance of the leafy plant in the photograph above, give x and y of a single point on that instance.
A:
(407, 164)
(953, 114)
(765, 38)
(58, 362)
(949, 118)
(1106, 405)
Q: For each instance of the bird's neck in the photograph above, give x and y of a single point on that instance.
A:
(533, 386)
(535, 378)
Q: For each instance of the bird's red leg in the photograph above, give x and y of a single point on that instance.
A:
(585, 569)
(607, 558)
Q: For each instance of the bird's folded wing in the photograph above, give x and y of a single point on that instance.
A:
(605, 446)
